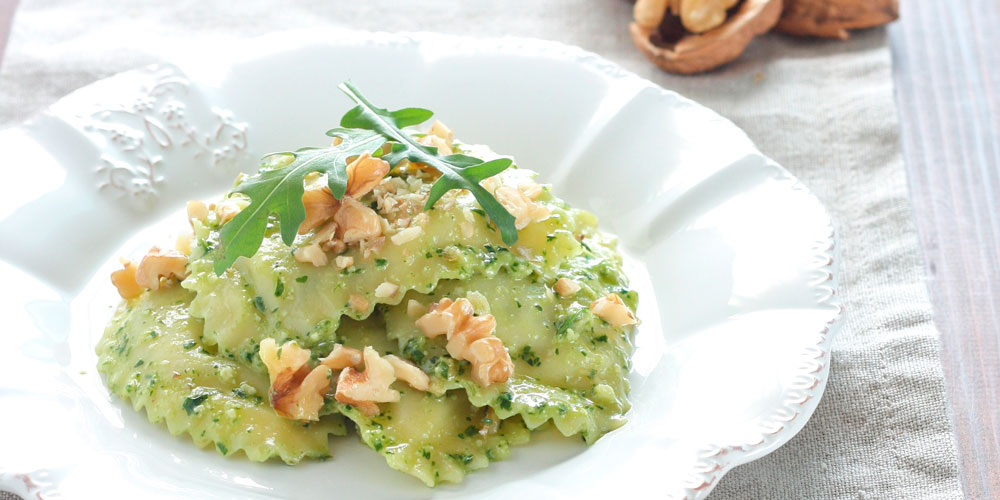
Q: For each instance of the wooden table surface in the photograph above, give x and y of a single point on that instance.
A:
(946, 65)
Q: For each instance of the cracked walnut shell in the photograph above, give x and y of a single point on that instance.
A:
(672, 45)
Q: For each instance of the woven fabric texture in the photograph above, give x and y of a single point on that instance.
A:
(823, 109)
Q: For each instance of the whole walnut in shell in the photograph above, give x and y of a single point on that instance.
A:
(693, 36)
(832, 18)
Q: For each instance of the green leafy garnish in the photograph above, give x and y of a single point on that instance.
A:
(458, 171)
(277, 189)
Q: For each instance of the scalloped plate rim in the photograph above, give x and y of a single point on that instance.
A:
(717, 459)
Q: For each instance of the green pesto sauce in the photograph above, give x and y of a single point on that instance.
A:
(189, 354)
(195, 391)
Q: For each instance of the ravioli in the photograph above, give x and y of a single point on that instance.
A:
(433, 437)
(273, 295)
(571, 367)
(437, 438)
(151, 355)
(190, 353)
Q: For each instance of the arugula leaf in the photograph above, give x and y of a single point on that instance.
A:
(457, 171)
(278, 190)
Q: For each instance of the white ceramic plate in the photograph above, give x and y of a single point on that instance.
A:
(732, 257)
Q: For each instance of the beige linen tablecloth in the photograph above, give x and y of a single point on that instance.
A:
(823, 109)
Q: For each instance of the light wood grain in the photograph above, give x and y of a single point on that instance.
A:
(7, 8)
(947, 73)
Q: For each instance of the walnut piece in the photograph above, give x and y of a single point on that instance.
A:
(832, 18)
(705, 38)
(228, 208)
(408, 372)
(441, 130)
(320, 206)
(566, 287)
(159, 263)
(326, 238)
(124, 280)
(697, 16)
(341, 357)
(197, 211)
(610, 308)
(415, 309)
(358, 303)
(443, 149)
(407, 235)
(490, 361)
(386, 290)
(312, 254)
(365, 173)
(531, 189)
(649, 13)
(364, 389)
(296, 391)
(357, 222)
(470, 338)
(524, 209)
(344, 261)
(440, 137)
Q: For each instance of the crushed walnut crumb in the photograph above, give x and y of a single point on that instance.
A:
(358, 303)
(415, 309)
(311, 254)
(386, 290)
(566, 287)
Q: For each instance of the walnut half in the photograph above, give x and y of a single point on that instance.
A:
(364, 389)
(296, 391)
(697, 16)
(159, 263)
(612, 309)
(470, 338)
